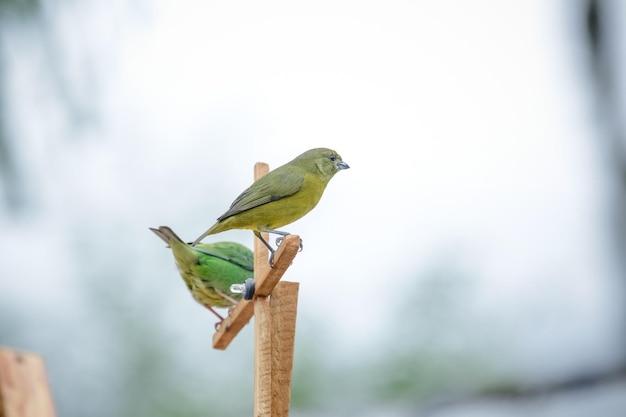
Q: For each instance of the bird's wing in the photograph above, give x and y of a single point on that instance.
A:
(232, 256)
(272, 187)
(236, 253)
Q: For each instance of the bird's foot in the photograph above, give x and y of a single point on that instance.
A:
(279, 240)
(271, 259)
(220, 318)
(227, 297)
(218, 325)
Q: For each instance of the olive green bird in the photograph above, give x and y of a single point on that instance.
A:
(210, 269)
(281, 197)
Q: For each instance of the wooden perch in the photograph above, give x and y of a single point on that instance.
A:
(24, 390)
(265, 281)
(274, 306)
(284, 308)
(265, 278)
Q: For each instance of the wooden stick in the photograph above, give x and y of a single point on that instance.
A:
(275, 306)
(262, 322)
(274, 324)
(232, 325)
(261, 254)
(262, 357)
(265, 278)
(274, 335)
(24, 390)
(284, 306)
(283, 257)
(243, 311)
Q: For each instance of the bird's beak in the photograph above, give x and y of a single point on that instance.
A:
(342, 165)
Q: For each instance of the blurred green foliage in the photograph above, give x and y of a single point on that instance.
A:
(121, 358)
(19, 7)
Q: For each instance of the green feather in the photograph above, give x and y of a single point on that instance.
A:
(209, 269)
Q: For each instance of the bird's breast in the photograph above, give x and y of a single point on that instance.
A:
(289, 209)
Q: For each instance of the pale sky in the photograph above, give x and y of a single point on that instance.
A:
(465, 125)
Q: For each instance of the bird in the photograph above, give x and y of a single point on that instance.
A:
(280, 197)
(209, 269)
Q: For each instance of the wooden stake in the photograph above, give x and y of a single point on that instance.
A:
(274, 336)
(261, 254)
(243, 311)
(284, 307)
(262, 358)
(24, 390)
(232, 325)
(274, 306)
(265, 278)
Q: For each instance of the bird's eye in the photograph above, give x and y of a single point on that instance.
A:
(332, 158)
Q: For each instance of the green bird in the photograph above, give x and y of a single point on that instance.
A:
(281, 197)
(210, 269)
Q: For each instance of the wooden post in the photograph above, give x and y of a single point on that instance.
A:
(243, 311)
(274, 336)
(262, 323)
(274, 306)
(24, 390)
(283, 306)
(274, 327)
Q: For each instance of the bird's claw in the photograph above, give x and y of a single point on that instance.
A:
(218, 325)
(279, 240)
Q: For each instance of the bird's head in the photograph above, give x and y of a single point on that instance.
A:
(324, 161)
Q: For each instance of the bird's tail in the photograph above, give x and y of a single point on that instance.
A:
(185, 256)
(203, 235)
(166, 234)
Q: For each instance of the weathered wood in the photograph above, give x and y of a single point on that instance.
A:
(261, 254)
(274, 306)
(283, 257)
(274, 336)
(284, 308)
(265, 279)
(24, 390)
(232, 325)
(243, 311)
(262, 322)
(262, 357)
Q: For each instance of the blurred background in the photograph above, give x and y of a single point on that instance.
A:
(470, 263)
